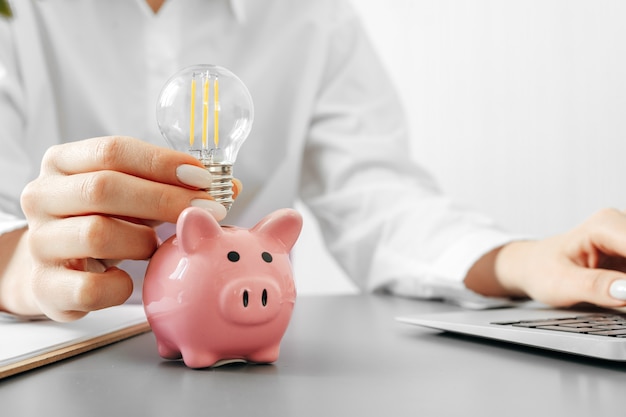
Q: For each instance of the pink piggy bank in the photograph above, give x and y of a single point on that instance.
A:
(217, 294)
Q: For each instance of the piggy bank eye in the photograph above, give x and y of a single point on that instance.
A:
(266, 257)
(233, 256)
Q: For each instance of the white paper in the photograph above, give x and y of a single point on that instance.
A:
(21, 340)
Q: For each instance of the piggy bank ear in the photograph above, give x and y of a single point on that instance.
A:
(283, 225)
(194, 225)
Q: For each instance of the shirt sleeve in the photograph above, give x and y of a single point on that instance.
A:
(27, 111)
(9, 223)
(14, 163)
(383, 218)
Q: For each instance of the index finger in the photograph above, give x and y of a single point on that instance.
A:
(607, 232)
(118, 153)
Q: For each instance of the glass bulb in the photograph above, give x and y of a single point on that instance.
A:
(207, 111)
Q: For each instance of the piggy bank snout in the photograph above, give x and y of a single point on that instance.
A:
(251, 301)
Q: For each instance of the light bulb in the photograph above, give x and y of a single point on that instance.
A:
(207, 111)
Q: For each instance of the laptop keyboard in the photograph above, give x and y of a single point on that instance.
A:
(613, 325)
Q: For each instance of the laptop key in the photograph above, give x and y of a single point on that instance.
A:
(538, 323)
(569, 329)
(610, 332)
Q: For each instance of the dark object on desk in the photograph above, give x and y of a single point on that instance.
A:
(5, 9)
(598, 334)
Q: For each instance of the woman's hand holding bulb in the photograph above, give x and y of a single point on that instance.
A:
(97, 201)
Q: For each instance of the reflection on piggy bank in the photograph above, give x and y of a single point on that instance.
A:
(216, 294)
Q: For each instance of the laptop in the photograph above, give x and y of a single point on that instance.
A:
(591, 332)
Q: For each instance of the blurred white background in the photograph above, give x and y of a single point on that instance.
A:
(518, 108)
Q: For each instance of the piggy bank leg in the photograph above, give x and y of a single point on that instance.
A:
(199, 359)
(267, 355)
(168, 352)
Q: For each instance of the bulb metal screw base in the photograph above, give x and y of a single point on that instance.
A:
(221, 184)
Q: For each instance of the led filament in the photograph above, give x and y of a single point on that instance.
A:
(206, 109)
(215, 98)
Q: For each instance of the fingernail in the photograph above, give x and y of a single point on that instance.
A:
(193, 176)
(216, 209)
(237, 187)
(618, 290)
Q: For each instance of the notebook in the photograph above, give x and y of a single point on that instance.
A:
(25, 345)
(591, 332)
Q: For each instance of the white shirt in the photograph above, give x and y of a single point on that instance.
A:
(328, 125)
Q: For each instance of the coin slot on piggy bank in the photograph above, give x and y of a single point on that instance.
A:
(217, 294)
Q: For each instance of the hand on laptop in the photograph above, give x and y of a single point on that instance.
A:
(586, 264)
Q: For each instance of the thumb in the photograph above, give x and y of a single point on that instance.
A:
(617, 289)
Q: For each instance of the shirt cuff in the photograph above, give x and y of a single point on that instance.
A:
(456, 261)
(10, 223)
(445, 279)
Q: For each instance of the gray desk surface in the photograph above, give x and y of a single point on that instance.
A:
(341, 356)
